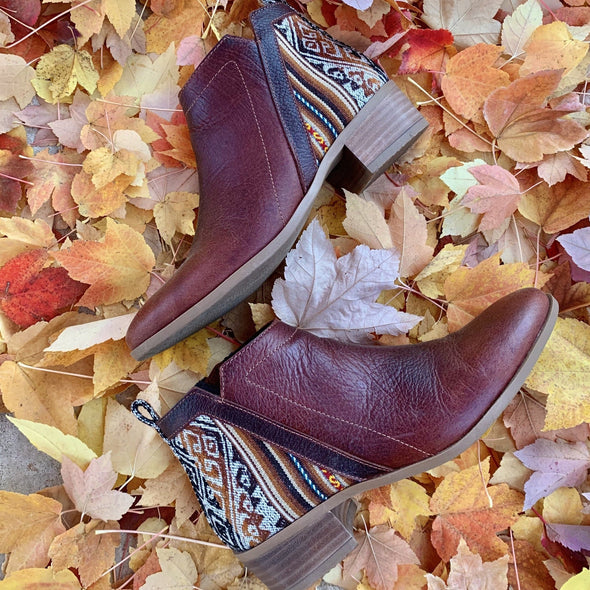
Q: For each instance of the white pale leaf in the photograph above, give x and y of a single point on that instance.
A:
(577, 245)
(334, 297)
(459, 179)
(470, 22)
(518, 27)
(365, 222)
(87, 335)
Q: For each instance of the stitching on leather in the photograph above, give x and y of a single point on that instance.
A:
(272, 180)
(336, 418)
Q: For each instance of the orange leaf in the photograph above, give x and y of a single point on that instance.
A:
(524, 129)
(116, 268)
(30, 293)
(470, 78)
(95, 202)
(467, 508)
(471, 290)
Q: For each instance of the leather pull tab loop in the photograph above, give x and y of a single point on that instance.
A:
(153, 419)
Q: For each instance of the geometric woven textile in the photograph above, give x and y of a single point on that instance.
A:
(331, 81)
(248, 489)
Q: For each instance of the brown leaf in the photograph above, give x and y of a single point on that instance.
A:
(379, 552)
(528, 570)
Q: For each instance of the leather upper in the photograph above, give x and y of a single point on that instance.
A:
(249, 181)
(386, 406)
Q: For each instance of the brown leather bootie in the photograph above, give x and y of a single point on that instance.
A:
(298, 425)
(270, 120)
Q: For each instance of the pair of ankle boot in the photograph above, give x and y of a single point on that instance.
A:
(296, 425)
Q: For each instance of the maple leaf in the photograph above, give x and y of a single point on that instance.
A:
(54, 442)
(471, 290)
(470, 78)
(34, 578)
(191, 51)
(529, 569)
(577, 245)
(469, 22)
(518, 27)
(555, 465)
(574, 537)
(379, 552)
(30, 293)
(555, 167)
(95, 202)
(120, 13)
(467, 508)
(161, 32)
(497, 195)
(116, 268)
(365, 222)
(16, 80)
(431, 278)
(428, 51)
(578, 582)
(562, 372)
(172, 485)
(552, 47)
(558, 207)
(91, 489)
(336, 297)
(81, 548)
(468, 571)
(61, 70)
(52, 177)
(178, 570)
(68, 129)
(176, 213)
(13, 171)
(28, 524)
(524, 129)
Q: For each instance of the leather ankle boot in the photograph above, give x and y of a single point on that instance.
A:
(270, 120)
(298, 425)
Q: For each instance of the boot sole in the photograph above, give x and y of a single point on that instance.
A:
(378, 135)
(320, 539)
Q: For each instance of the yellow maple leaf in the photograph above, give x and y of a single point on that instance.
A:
(120, 13)
(105, 165)
(192, 353)
(116, 268)
(60, 71)
(95, 202)
(161, 31)
(471, 290)
(34, 578)
(16, 79)
(432, 277)
(552, 47)
(467, 508)
(54, 442)
(580, 581)
(176, 213)
(28, 524)
(563, 372)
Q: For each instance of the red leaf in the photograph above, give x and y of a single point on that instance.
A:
(429, 51)
(30, 293)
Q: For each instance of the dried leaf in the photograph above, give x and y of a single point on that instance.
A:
(16, 79)
(116, 268)
(518, 27)
(577, 245)
(178, 570)
(336, 297)
(34, 578)
(176, 214)
(365, 222)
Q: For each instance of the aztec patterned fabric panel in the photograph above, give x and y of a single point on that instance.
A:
(248, 489)
(330, 80)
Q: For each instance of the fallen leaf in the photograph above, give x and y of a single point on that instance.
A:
(431, 279)
(471, 290)
(470, 78)
(529, 569)
(192, 353)
(68, 130)
(525, 130)
(34, 578)
(574, 537)
(578, 582)
(13, 171)
(176, 213)
(116, 268)
(91, 489)
(555, 465)
(469, 23)
(16, 79)
(31, 293)
(336, 297)
(468, 571)
(496, 196)
(519, 26)
(577, 245)
(365, 222)
(555, 167)
(562, 372)
(59, 72)
(178, 570)
(428, 51)
(468, 508)
(54, 442)
(82, 549)
(28, 525)
(552, 47)
(120, 13)
(379, 552)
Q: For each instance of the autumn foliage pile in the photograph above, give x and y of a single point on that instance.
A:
(99, 198)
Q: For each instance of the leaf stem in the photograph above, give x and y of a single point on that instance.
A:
(163, 536)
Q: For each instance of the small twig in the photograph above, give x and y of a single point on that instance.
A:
(164, 536)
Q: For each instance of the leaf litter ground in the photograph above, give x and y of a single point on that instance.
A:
(98, 192)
